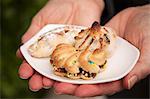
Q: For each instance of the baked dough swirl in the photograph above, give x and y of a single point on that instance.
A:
(88, 56)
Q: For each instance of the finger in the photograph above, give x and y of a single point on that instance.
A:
(141, 69)
(132, 77)
(98, 89)
(19, 54)
(64, 88)
(139, 72)
(35, 26)
(47, 83)
(25, 70)
(35, 82)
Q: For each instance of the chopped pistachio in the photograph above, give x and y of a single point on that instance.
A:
(91, 62)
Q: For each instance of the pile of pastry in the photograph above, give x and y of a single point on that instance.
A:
(82, 54)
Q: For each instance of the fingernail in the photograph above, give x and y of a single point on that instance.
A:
(23, 77)
(34, 90)
(132, 81)
(46, 87)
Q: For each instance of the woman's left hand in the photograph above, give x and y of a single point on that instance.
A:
(133, 25)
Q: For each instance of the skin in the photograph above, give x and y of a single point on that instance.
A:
(131, 24)
(63, 12)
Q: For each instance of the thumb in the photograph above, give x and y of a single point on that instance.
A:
(140, 70)
(35, 26)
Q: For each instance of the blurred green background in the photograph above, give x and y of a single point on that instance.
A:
(16, 16)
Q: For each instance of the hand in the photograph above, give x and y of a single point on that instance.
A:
(79, 12)
(133, 25)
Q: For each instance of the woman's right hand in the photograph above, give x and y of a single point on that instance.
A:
(77, 12)
(133, 25)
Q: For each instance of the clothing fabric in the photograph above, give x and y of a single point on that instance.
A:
(112, 7)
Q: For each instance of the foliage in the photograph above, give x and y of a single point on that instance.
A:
(15, 18)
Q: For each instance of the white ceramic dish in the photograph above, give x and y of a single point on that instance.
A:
(119, 65)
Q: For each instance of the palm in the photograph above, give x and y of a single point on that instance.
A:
(69, 13)
(64, 13)
(137, 32)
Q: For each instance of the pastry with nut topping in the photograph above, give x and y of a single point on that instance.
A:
(87, 56)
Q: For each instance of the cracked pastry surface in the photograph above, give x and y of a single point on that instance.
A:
(87, 56)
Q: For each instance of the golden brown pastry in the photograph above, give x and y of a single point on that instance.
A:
(88, 56)
(65, 57)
